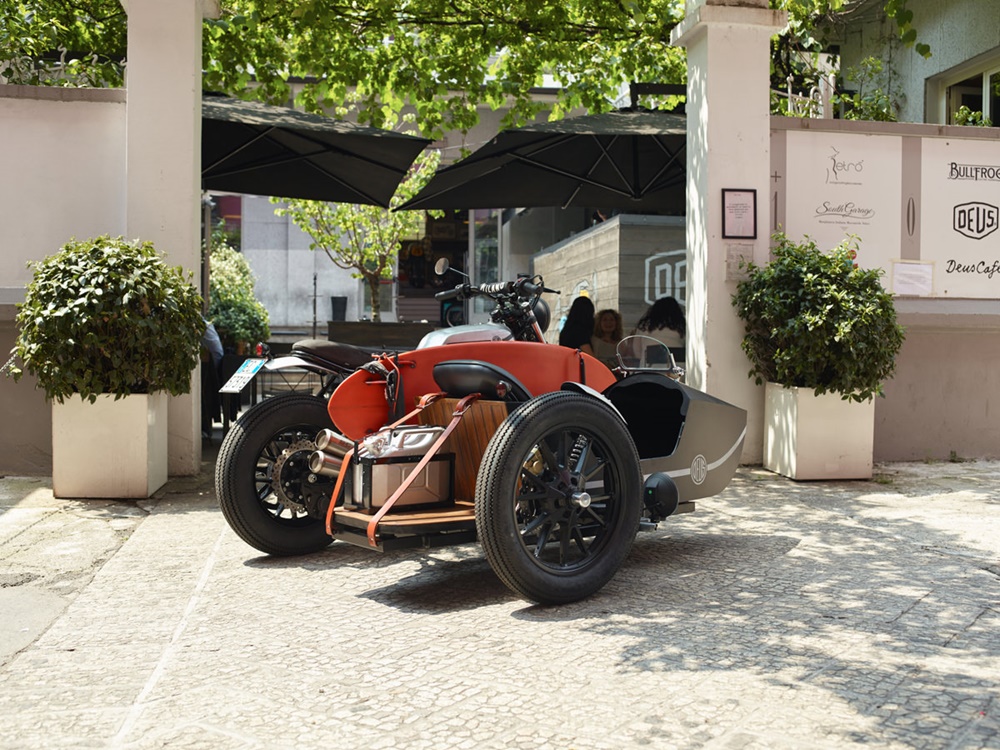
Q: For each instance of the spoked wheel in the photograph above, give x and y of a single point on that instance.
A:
(262, 476)
(558, 497)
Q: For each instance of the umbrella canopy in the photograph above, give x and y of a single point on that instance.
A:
(629, 159)
(249, 147)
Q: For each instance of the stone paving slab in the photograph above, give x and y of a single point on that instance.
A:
(779, 615)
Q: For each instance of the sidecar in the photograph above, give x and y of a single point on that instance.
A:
(552, 461)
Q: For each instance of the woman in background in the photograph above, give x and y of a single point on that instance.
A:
(664, 321)
(607, 333)
(579, 326)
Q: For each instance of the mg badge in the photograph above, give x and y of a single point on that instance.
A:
(699, 469)
(975, 220)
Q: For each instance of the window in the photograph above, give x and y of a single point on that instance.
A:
(975, 85)
(484, 249)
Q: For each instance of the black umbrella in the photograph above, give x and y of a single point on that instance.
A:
(629, 159)
(249, 147)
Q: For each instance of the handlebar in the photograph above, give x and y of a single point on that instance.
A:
(525, 287)
(458, 291)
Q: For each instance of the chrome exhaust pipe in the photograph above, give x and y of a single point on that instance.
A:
(333, 443)
(330, 457)
(324, 464)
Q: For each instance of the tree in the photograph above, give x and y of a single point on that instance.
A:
(797, 52)
(443, 59)
(364, 239)
(63, 43)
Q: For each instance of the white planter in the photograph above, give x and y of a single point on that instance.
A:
(109, 449)
(817, 437)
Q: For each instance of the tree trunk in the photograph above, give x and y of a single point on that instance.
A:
(374, 289)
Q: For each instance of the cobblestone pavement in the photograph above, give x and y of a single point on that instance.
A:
(780, 615)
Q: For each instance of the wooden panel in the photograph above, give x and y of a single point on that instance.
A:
(468, 441)
(459, 516)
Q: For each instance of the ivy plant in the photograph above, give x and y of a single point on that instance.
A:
(869, 101)
(817, 320)
(106, 315)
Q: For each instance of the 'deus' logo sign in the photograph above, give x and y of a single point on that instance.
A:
(976, 220)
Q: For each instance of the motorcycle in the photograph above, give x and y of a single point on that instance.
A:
(541, 453)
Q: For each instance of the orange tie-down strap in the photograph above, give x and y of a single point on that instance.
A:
(344, 468)
(422, 404)
(460, 408)
(425, 401)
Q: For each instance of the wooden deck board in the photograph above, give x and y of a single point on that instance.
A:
(461, 515)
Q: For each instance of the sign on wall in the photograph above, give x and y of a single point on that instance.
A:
(845, 183)
(666, 276)
(943, 240)
(960, 216)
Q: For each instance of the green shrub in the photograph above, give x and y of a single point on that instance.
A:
(966, 116)
(108, 316)
(816, 320)
(237, 314)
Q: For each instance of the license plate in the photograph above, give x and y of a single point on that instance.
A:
(242, 376)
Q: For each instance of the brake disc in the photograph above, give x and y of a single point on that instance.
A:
(291, 472)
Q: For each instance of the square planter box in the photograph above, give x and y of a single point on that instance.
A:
(109, 449)
(817, 437)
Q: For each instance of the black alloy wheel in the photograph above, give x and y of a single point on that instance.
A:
(558, 498)
(262, 478)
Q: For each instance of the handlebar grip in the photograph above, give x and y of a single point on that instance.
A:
(447, 294)
(528, 288)
(500, 287)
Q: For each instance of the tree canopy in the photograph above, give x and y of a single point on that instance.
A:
(62, 42)
(444, 58)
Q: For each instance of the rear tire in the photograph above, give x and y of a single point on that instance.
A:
(558, 498)
(277, 432)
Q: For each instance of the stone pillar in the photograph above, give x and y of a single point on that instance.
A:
(163, 164)
(728, 148)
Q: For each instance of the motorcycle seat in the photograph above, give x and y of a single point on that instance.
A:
(460, 378)
(345, 355)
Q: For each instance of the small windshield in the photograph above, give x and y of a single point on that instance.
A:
(645, 353)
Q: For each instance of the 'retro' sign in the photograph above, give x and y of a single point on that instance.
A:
(976, 219)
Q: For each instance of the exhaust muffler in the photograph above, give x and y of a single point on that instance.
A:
(332, 447)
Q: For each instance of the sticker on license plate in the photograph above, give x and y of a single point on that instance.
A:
(242, 376)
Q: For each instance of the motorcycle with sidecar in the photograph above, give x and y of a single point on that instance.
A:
(548, 458)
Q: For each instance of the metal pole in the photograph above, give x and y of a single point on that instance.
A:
(314, 305)
(206, 203)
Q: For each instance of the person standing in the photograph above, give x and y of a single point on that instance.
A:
(579, 326)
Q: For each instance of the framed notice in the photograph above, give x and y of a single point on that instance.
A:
(912, 278)
(739, 214)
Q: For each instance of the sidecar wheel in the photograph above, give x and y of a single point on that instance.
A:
(275, 433)
(558, 498)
